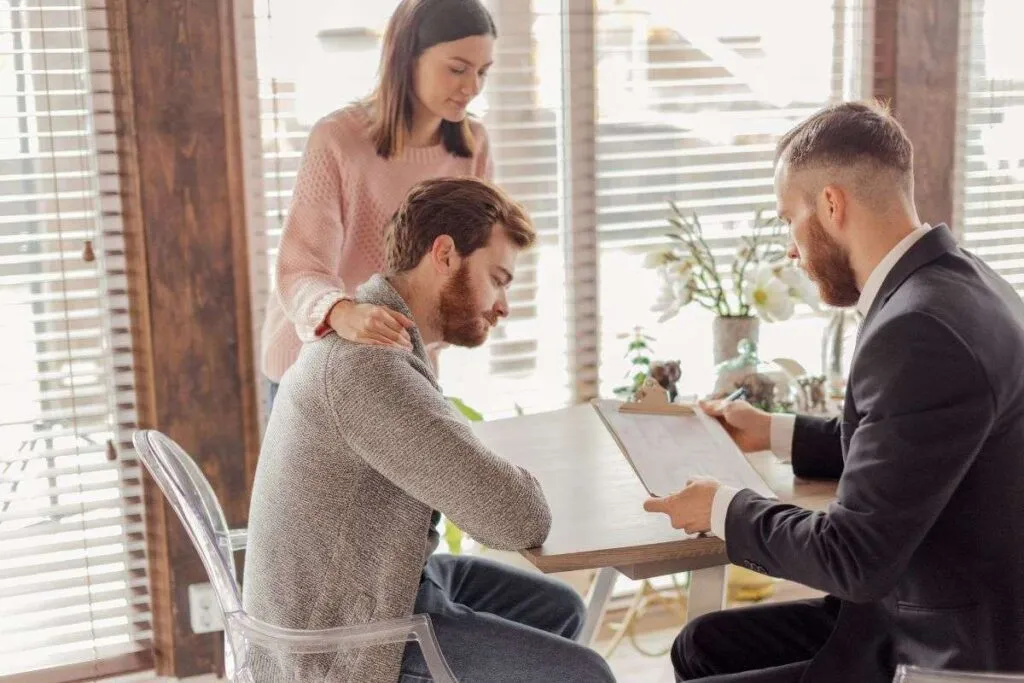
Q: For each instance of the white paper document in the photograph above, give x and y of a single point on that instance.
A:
(667, 450)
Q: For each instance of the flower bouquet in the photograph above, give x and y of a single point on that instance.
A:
(759, 279)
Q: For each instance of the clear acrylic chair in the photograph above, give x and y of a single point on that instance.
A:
(193, 500)
(916, 674)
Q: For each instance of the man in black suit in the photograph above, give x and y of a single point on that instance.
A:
(922, 553)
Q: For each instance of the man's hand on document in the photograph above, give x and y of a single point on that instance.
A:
(749, 427)
(690, 509)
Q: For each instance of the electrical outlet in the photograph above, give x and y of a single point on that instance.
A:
(203, 609)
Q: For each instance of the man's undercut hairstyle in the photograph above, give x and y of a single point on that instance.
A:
(851, 136)
(466, 209)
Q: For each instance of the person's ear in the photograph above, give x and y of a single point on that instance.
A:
(833, 207)
(444, 255)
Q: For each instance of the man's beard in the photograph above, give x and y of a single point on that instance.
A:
(461, 324)
(828, 265)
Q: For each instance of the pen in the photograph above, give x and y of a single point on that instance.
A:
(737, 395)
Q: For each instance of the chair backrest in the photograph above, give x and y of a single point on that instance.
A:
(193, 500)
(914, 674)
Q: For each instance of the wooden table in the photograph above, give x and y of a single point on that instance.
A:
(598, 520)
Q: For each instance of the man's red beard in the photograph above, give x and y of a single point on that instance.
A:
(828, 265)
(460, 322)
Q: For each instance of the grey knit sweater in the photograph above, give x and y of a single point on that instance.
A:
(360, 449)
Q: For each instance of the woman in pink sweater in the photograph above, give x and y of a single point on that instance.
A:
(358, 165)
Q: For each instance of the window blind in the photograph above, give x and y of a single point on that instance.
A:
(73, 589)
(991, 149)
(527, 365)
(692, 98)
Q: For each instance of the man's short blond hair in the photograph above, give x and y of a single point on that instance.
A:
(847, 135)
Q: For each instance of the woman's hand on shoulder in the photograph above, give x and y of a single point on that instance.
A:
(370, 324)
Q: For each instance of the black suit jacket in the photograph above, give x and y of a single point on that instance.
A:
(924, 547)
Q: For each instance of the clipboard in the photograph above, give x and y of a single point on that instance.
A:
(652, 399)
(666, 449)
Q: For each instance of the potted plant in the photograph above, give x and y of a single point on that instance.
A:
(758, 283)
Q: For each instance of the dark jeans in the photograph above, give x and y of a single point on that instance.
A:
(498, 624)
(761, 644)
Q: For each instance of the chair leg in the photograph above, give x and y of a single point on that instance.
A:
(436, 663)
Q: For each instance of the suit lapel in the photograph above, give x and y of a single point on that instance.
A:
(938, 242)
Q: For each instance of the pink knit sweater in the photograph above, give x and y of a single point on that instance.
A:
(333, 238)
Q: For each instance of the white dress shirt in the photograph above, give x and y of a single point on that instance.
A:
(783, 425)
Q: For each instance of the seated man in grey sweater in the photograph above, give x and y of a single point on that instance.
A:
(362, 452)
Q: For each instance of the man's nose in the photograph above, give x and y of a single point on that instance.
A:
(792, 251)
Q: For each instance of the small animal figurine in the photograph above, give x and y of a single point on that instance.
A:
(813, 389)
(667, 374)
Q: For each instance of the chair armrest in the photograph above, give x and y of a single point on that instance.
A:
(297, 641)
(238, 538)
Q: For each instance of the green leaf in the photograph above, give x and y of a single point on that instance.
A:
(453, 537)
(637, 344)
(467, 412)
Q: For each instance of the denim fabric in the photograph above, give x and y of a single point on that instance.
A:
(499, 624)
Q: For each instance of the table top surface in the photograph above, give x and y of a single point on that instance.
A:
(597, 500)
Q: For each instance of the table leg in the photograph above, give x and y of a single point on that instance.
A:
(596, 601)
(707, 592)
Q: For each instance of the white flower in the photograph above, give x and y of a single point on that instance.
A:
(659, 258)
(666, 304)
(769, 295)
(673, 295)
(800, 286)
(683, 291)
(678, 270)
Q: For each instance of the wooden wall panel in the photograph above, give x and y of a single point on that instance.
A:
(176, 86)
(916, 61)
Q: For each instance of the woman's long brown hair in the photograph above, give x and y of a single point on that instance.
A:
(416, 26)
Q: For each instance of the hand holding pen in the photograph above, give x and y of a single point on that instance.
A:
(748, 426)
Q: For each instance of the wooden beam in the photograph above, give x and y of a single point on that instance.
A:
(884, 80)
(916, 71)
(181, 160)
